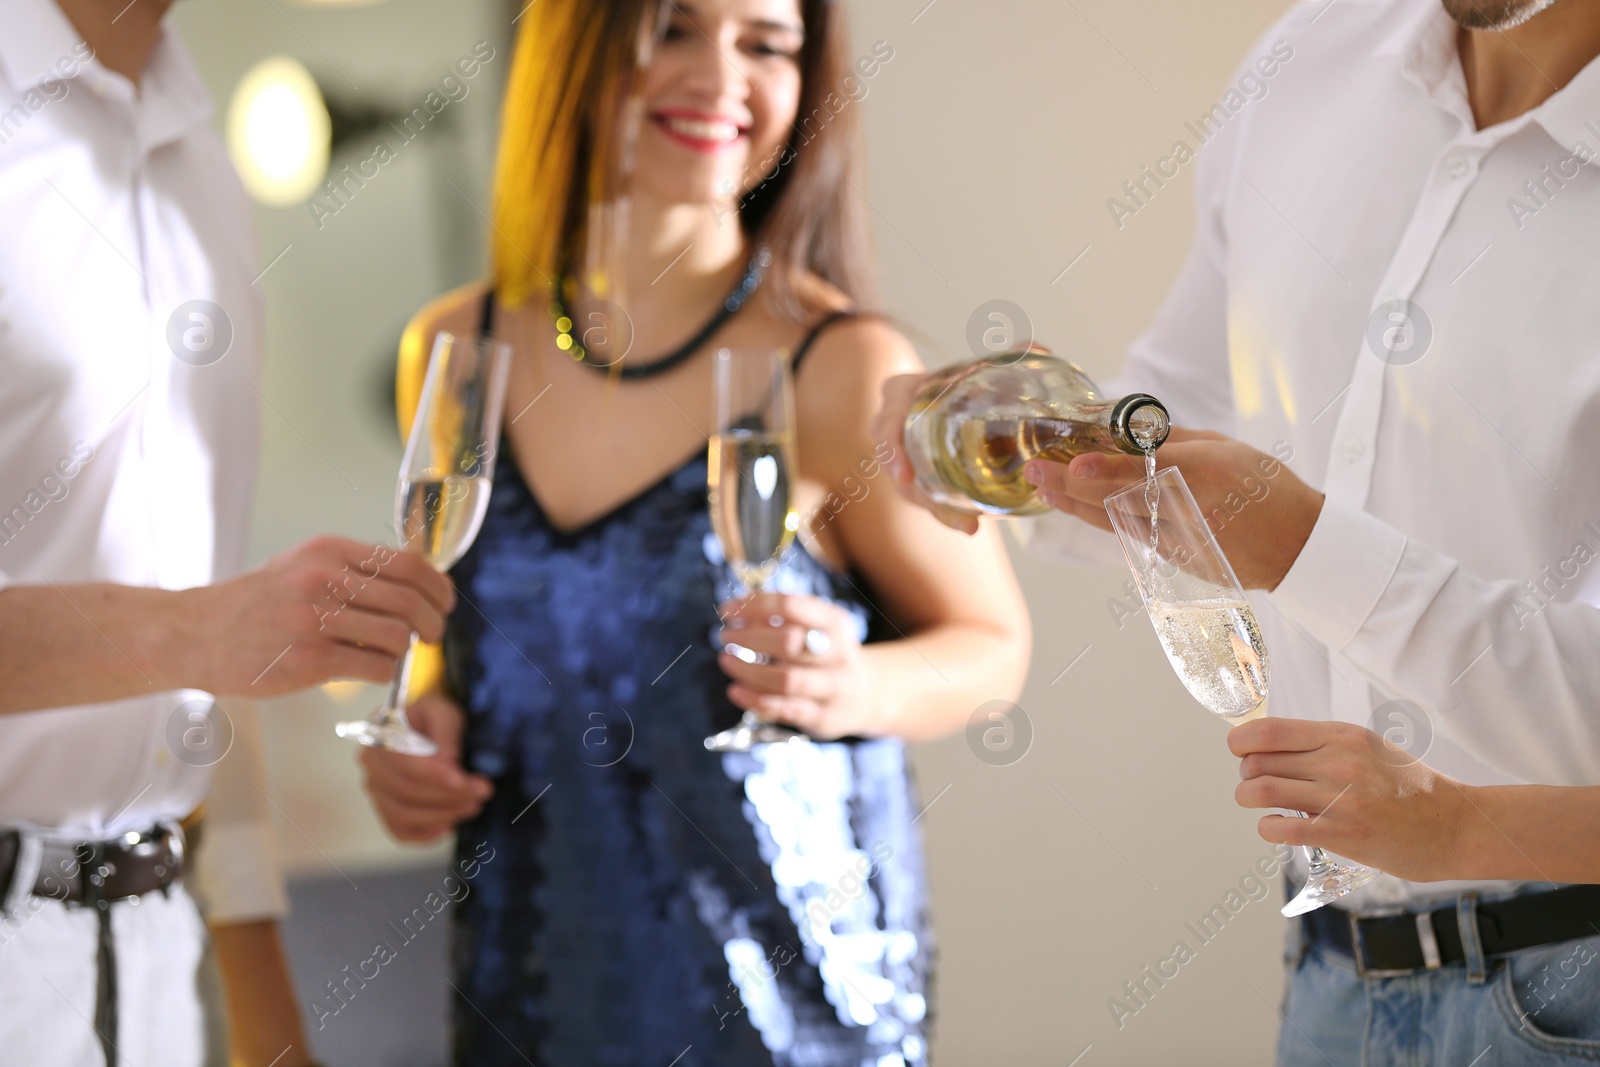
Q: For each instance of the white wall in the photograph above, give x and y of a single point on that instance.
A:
(997, 133)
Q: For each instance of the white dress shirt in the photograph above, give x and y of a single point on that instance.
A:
(1456, 563)
(119, 460)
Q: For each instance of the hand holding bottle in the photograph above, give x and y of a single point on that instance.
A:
(889, 427)
(1261, 514)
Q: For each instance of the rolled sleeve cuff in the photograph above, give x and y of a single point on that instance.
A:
(1342, 572)
(236, 876)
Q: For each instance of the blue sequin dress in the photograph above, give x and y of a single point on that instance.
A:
(646, 902)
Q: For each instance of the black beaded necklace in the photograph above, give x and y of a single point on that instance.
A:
(567, 341)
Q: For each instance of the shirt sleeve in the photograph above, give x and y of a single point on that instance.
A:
(236, 877)
(1511, 678)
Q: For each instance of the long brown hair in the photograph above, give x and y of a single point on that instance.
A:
(573, 68)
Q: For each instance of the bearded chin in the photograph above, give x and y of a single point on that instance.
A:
(1494, 14)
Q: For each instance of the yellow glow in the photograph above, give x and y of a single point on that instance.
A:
(1280, 378)
(278, 132)
(342, 692)
(1245, 364)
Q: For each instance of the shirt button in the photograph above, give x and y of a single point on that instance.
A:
(1352, 450)
(1458, 167)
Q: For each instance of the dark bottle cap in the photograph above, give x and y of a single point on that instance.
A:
(1139, 424)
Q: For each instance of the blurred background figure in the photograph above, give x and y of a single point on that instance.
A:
(127, 458)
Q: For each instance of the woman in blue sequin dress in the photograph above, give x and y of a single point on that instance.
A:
(637, 899)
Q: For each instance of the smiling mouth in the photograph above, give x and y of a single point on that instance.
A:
(701, 134)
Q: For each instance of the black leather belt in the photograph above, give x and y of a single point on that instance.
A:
(98, 872)
(1391, 945)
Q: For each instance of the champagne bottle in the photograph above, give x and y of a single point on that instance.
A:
(972, 427)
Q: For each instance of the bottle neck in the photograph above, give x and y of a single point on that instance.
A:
(1139, 424)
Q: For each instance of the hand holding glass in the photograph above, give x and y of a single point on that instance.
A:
(443, 494)
(750, 488)
(1208, 630)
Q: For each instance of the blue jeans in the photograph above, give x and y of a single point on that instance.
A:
(1540, 1006)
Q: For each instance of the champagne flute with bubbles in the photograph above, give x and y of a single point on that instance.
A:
(1207, 629)
(443, 494)
(750, 489)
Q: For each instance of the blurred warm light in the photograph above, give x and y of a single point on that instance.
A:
(343, 692)
(279, 134)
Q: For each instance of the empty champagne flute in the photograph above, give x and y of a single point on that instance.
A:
(750, 488)
(443, 493)
(1208, 630)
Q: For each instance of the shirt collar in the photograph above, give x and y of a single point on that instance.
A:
(1572, 116)
(1424, 39)
(38, 44)
(173, 99)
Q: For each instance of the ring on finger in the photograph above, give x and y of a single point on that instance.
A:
(818, 643)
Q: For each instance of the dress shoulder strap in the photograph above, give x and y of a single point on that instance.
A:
(830, 319)
(486, 315)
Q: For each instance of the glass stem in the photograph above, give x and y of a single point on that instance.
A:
(394, 709)
(1315, 857)
(750, 720)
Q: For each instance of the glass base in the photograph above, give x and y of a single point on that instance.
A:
(1327, 884)
(394, 736)
(750, 732)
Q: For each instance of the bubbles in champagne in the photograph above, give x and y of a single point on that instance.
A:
(439, 517)
(1217, 651)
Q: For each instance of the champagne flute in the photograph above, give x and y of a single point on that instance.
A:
(750, 482)
(1208, 631)
(443, 494)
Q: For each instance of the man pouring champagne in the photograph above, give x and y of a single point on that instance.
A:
(1423, 487)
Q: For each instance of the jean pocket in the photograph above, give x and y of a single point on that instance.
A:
(1550, 998)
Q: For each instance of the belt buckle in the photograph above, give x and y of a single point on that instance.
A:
(1362, 970)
